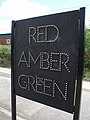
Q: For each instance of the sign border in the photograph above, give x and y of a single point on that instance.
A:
(80, 64)
(77, 99)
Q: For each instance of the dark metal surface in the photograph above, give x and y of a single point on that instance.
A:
(80, 65)
(67, 43)
(13, 94)
(46, 72)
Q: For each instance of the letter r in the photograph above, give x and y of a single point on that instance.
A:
(32, 32)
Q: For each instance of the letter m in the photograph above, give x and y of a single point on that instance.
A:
(34, 60)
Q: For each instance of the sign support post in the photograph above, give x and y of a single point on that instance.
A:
(13, 94)
(80, 65)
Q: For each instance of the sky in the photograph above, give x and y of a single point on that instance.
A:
(22, 9)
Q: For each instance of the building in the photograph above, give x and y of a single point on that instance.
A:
(5, 39)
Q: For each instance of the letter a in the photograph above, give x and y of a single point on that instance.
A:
(23, 59)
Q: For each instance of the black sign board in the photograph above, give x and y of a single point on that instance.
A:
(45, 53)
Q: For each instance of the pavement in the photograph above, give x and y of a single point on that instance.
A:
(30, 110)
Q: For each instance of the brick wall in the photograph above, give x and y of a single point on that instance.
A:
(4, 41)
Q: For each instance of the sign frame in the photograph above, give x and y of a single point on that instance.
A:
(77, 97)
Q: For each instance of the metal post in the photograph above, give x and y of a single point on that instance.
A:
(13, 94)
(80, 65)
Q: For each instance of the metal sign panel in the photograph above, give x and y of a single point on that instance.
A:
(45, 59)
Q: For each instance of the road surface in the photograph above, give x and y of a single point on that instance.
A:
(29, 110)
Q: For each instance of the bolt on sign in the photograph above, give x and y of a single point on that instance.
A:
(45, 59)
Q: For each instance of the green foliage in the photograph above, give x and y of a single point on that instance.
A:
(5, 56)
(5, 52)
(87, 49)
(87, 73)
(87, 54)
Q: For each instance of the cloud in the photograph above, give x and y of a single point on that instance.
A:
(5, 26)
(19, 9)
(22, 9)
